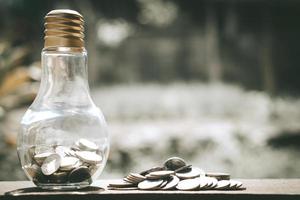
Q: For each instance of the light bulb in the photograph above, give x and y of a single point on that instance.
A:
(63, 141)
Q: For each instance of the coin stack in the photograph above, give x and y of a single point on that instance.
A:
(62, 164)
(176, 174)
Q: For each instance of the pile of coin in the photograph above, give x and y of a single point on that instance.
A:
(176, 174)
(62, 164)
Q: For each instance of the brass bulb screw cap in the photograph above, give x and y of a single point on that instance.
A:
(64, 28)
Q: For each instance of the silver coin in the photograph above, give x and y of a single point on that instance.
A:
(153, 169)
(59, 177)
(70, 153)
(33, 170)
(184, 169)
(64, 151)
(203, 182)
(130, 180)
(86, 145)
(239, 186)
(223, 184)
(40, 149)
(39, 158)
(215, 183)
(195, 172)
(36, 173)
(174, 163)
(150, 177)
(161, 174)
(41, 178)
(218, 175)
(164, 184)
(120, 184)
(235, 184)
(51, 164)
(75, 148)
(212, 182)
(209, 185)
(137, 176)
(68, 163)
(232, 184)
(149, 184)
(80, 174)
(134, 179)
(173, 181)
(122, 188)
(188, 184)
(86, 164)
(89, 157)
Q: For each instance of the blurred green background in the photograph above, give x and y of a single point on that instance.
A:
(213, 81)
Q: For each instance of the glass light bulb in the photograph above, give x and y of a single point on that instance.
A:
(63, 141)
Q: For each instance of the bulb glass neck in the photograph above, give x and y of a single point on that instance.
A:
(64, 82)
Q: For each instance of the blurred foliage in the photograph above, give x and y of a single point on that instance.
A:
(251, 43)
(16, 76)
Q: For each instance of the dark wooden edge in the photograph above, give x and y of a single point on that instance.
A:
(151, 196)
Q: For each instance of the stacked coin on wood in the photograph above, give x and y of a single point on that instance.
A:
(176, 174)
(63, 164)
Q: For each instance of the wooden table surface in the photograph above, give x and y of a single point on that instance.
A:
(255, 189)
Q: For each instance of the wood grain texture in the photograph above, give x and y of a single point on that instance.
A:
(255, 189)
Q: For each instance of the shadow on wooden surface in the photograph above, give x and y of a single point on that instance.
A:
(39, 191)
